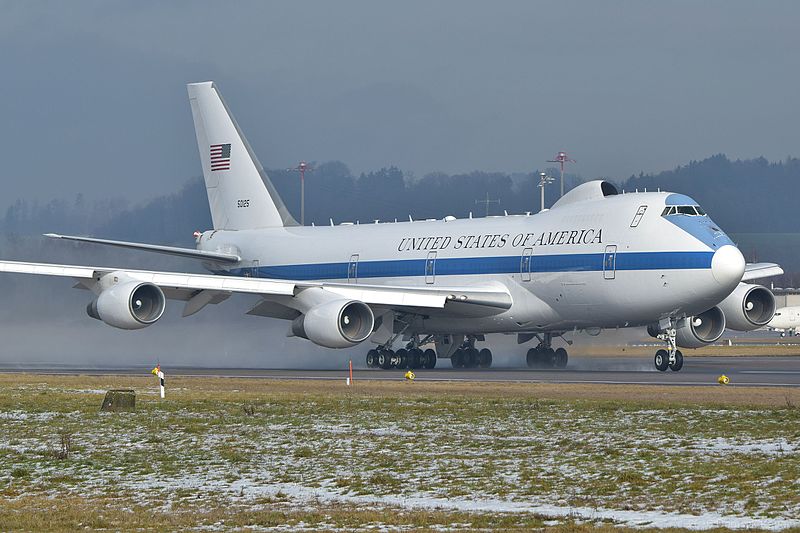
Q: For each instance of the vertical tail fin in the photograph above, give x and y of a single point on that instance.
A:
(240, 193)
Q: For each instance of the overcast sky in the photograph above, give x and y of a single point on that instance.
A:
(93, 95)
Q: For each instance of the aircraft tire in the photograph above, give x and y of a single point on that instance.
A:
(485, 358)
(402, 358)
(675, 367)
(429, 358)
(548, 358)
(561, 358)
(457, 359)
(416, 358)
(385, 359)
(471, 358)
(372, 358)
(532, 358)
(661, 360)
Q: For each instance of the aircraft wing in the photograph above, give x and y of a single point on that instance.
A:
(761, 270)
(201, 289)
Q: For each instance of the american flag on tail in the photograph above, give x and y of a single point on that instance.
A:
(220, 157)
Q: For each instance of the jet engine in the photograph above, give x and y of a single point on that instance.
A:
(336, 324)
(748, 307)
(699, 330)
(130, 305)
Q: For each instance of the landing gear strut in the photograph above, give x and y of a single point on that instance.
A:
(543, 356)
(671, 358)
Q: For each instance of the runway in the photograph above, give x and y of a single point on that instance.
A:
(697, 371)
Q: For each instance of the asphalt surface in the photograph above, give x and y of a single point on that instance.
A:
(751, 371)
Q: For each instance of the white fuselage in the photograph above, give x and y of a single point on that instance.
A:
(786, 319)
(607, 262)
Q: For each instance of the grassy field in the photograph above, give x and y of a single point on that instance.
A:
(222, 454)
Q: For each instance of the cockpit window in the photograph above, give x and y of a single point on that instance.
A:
(689, 210)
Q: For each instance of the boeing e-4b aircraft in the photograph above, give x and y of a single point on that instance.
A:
(596, 259)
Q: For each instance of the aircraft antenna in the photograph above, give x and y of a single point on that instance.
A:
(544, 180)
(561, 159)
(487, 201)
(302, 168)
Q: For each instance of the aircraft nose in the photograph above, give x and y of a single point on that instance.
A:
(727, 265)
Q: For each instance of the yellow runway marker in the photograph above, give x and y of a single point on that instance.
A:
(723, 380)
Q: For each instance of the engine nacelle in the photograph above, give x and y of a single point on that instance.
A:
(336, 324)
(129, 305)
(699, 330)
(748, 307)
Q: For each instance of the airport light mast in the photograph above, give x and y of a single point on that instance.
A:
(544, 180)
(302, 168)
(561, 158)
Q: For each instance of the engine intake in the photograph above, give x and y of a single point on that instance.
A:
(336, 324)
(131, 305)
(699, 330)
(748, 307)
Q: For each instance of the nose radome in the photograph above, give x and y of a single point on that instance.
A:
(727, 265)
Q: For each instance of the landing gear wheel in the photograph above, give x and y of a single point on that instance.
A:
(457, 359)
(402, 358)
(429, 358)
(385, 359)
(470, 358)
(678, 364)
(372, 358)
(548, 358)
(662, 360)
(485, 358)
(561, 358)
(532, 358)
(415, 359)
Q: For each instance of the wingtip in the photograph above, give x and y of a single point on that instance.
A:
(52, 235)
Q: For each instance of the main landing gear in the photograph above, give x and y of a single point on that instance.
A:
(671, 358)
(467, 356)
(544, 356)
(412, 356)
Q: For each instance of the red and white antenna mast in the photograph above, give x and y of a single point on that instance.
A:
(561, 158)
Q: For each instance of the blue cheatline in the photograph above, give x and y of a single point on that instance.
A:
(462, 266)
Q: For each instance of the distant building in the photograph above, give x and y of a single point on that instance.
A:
(786, 297)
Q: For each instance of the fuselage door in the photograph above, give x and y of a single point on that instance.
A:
(352, 269)
(254, 269)
(525, 264)
(638, 216)
(430, 268)
(610, 262)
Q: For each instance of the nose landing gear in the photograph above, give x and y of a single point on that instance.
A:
(671, 358)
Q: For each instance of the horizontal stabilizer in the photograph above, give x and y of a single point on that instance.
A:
(157, 248)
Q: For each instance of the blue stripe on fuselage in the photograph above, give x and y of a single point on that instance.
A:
(462, 266)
